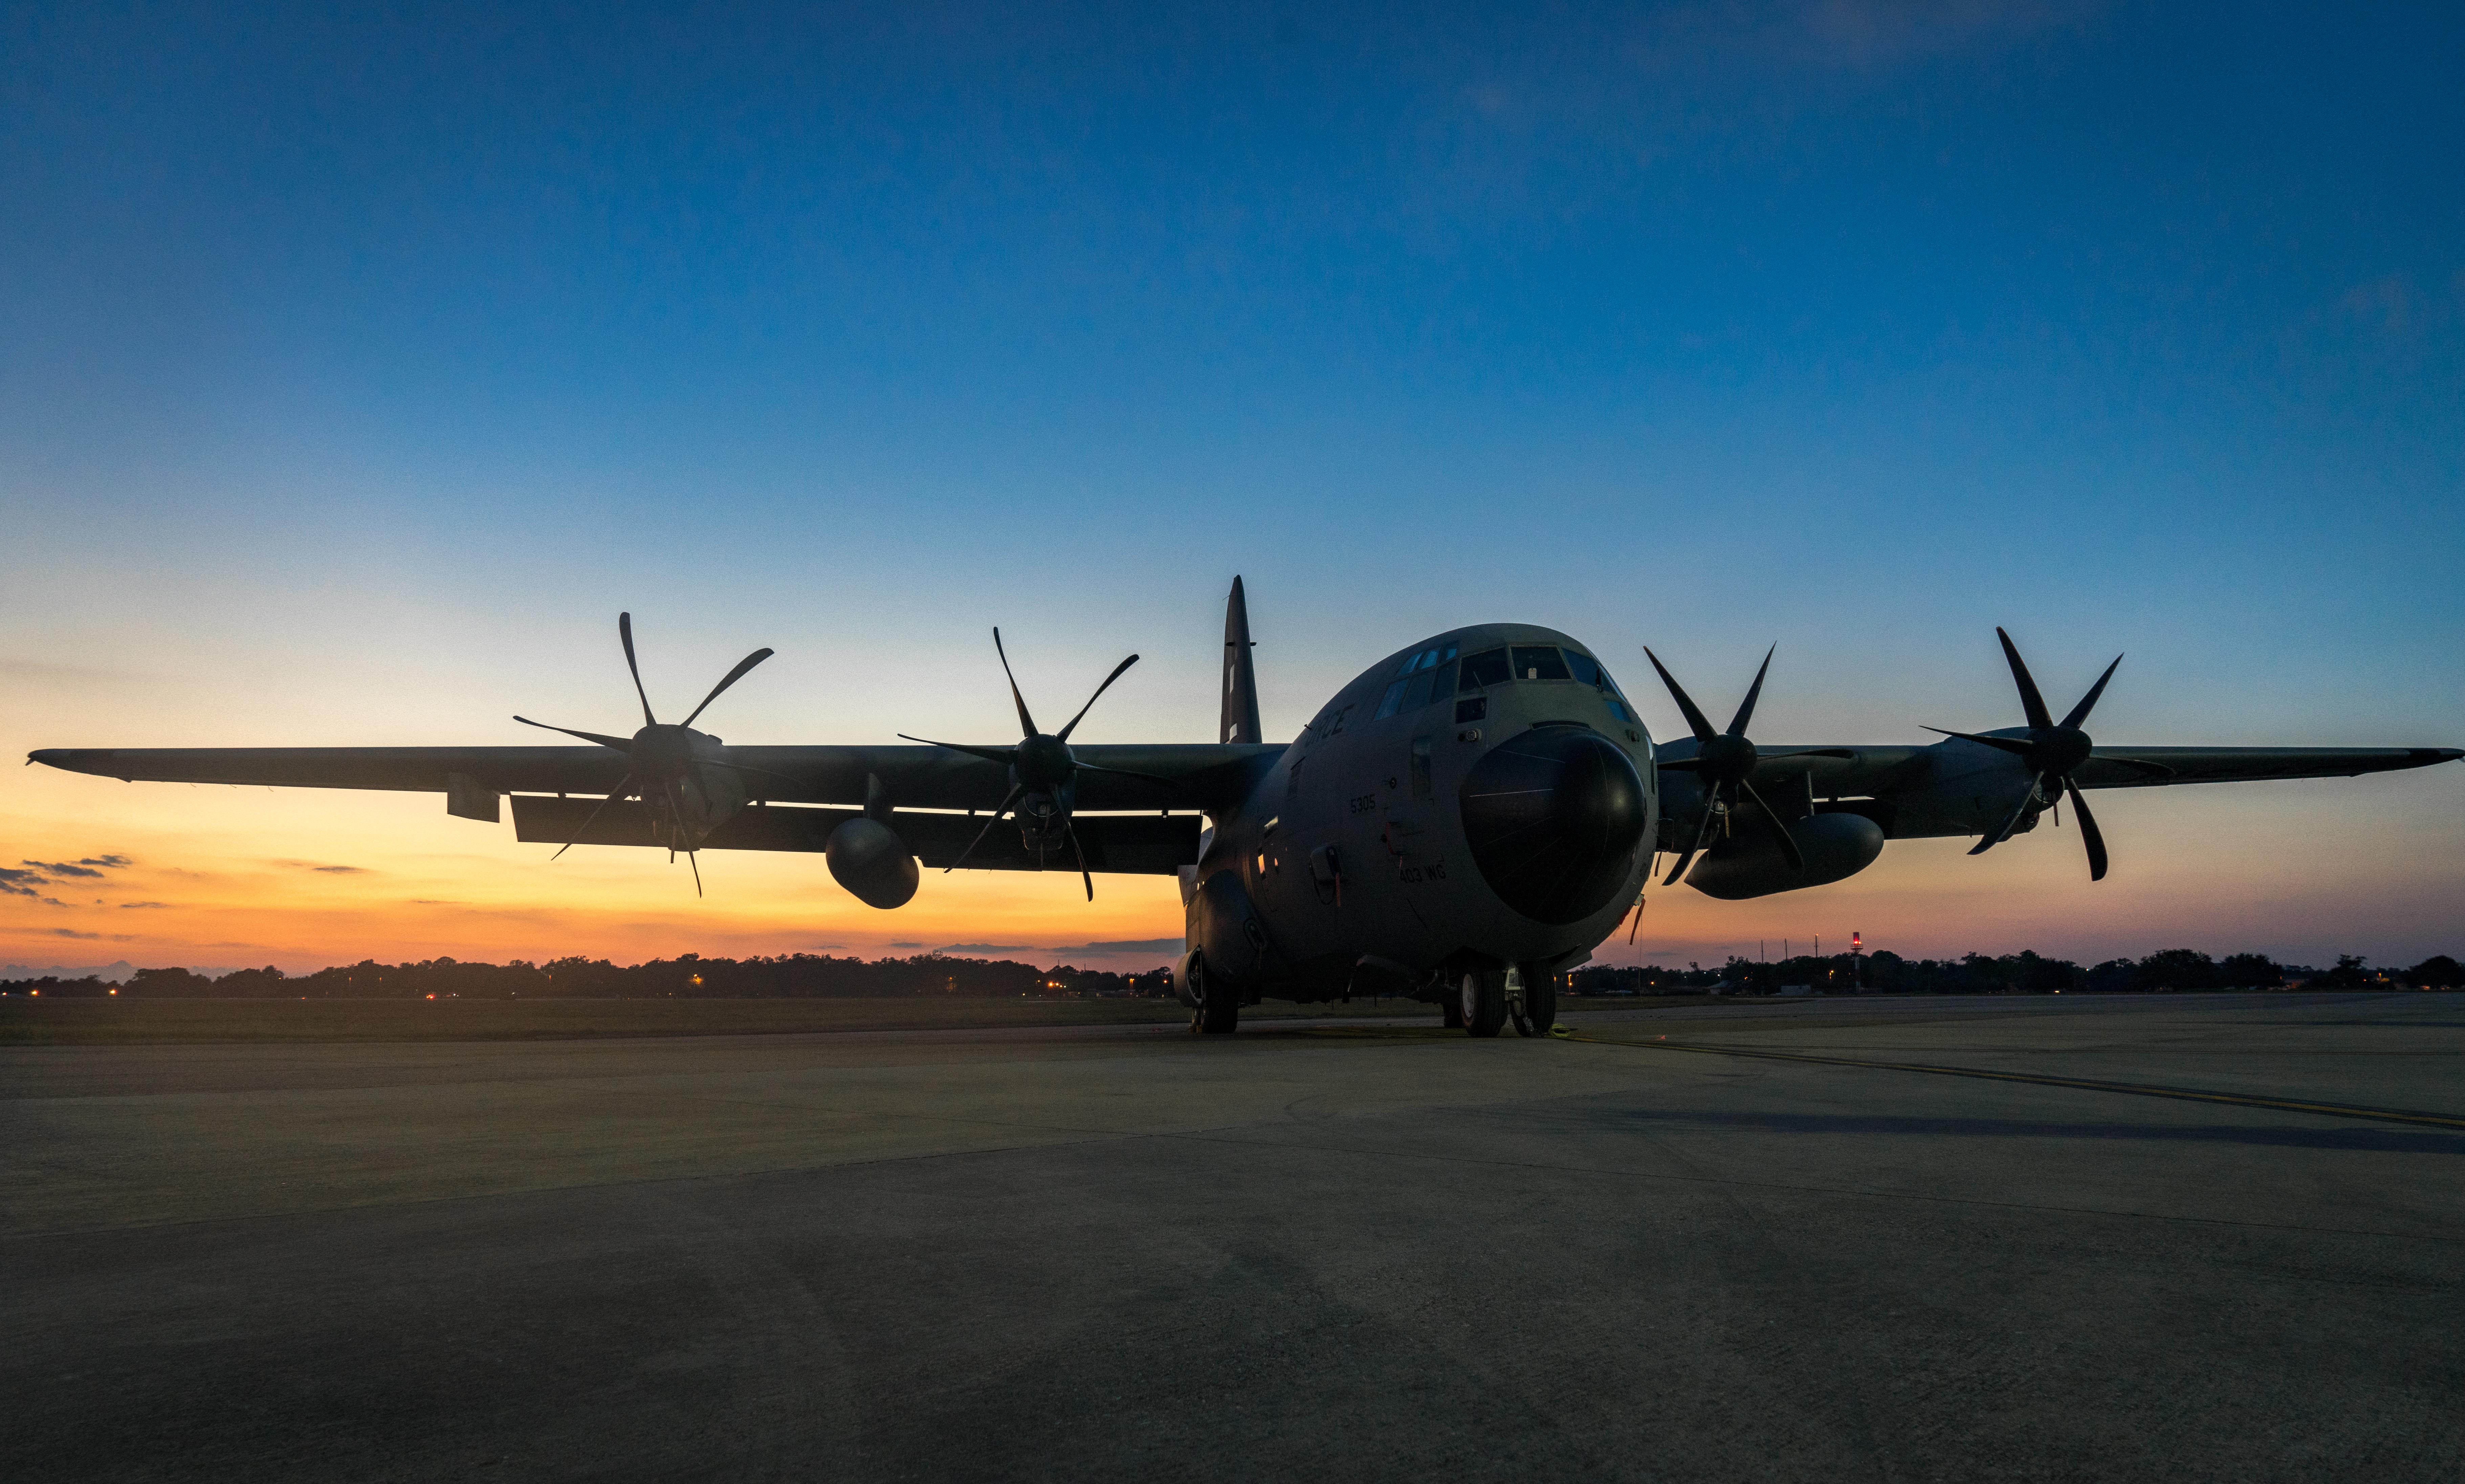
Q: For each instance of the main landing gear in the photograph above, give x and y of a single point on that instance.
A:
(1214, 1004)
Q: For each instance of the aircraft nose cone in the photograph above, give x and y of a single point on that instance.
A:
(1553, 818)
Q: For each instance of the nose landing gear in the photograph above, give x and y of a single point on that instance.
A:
(1486, 999)
(1482, 1001)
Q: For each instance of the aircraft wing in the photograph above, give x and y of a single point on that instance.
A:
(1882, 771)
(1195, 776)
(2144, 767)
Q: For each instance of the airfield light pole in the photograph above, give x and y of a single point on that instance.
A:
(1857, 963)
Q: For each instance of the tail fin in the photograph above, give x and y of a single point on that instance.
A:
(1240, 680)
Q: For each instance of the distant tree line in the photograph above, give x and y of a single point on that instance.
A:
(688, 977)
(1884, 972)
(827, 976)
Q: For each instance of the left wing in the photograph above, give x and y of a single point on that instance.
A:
(1956, 788)
(1194, 775)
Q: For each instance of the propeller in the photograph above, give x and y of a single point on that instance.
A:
(1042, 768)
(658, 757)
(1724, 763)
(2051, 752)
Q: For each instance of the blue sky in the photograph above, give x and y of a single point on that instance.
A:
(355, 370)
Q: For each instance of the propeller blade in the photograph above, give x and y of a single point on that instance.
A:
(1026, 723)
(1702, 831)
(1064, 732)
(2089, 835)
(2030, 702)
(1779, 834)
(2079, 712)
(1076, 850)
(733, 675)
(1694, 714)
(625, 631)
(1091, 767)
(1746, 707)
(2009, 825)
(621, 744)
(692, 859)
(985, 831)
(2018, 746)
(989, 754)
(624, 787)
(675, 818)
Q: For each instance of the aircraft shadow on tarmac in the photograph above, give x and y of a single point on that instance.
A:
(2381, 1140)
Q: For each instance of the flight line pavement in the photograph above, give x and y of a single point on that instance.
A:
(1327, 1251)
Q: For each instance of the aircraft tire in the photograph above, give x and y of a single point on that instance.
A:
(1483, 1002)
(1540, 1001)
(1219, 1007)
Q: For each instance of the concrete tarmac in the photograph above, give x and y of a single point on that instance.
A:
(1329, 1251)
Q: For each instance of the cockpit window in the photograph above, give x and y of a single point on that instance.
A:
(1588, 671)
(1539, 662)
(1431, 671)
(1484, 669)
(1426, 660)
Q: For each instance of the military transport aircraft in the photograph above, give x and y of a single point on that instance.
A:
(1484, 805)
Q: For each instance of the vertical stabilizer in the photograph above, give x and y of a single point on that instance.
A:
(1240, 680)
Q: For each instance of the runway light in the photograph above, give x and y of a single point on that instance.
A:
(114, 991)
(432, 997)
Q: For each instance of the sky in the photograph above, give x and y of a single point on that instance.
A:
(356, 369)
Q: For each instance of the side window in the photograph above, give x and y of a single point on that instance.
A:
(1584, 667)
(1444, 685)
(1417, 691)
(1393, 702)
(1484, 669)
(1539, 662)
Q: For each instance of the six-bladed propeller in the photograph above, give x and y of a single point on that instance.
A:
(1043, 772)
(2051, 752)
(659, 759)
(1723, 762)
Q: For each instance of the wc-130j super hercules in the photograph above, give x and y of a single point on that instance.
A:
(1484, 801)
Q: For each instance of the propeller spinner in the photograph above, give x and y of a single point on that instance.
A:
(1043, 775)
(660, 757)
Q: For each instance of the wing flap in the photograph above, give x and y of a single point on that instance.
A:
(1118, 844)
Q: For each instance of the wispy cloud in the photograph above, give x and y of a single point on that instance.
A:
(343, 870)
(1124, 945)
(983, 947)
(906, 945)
(63, 868)
(134, 906)
(14, 882)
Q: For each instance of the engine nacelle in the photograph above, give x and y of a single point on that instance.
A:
(870, 859)
(1748, 864)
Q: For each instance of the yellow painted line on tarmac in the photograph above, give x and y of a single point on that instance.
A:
(2085, 1084)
